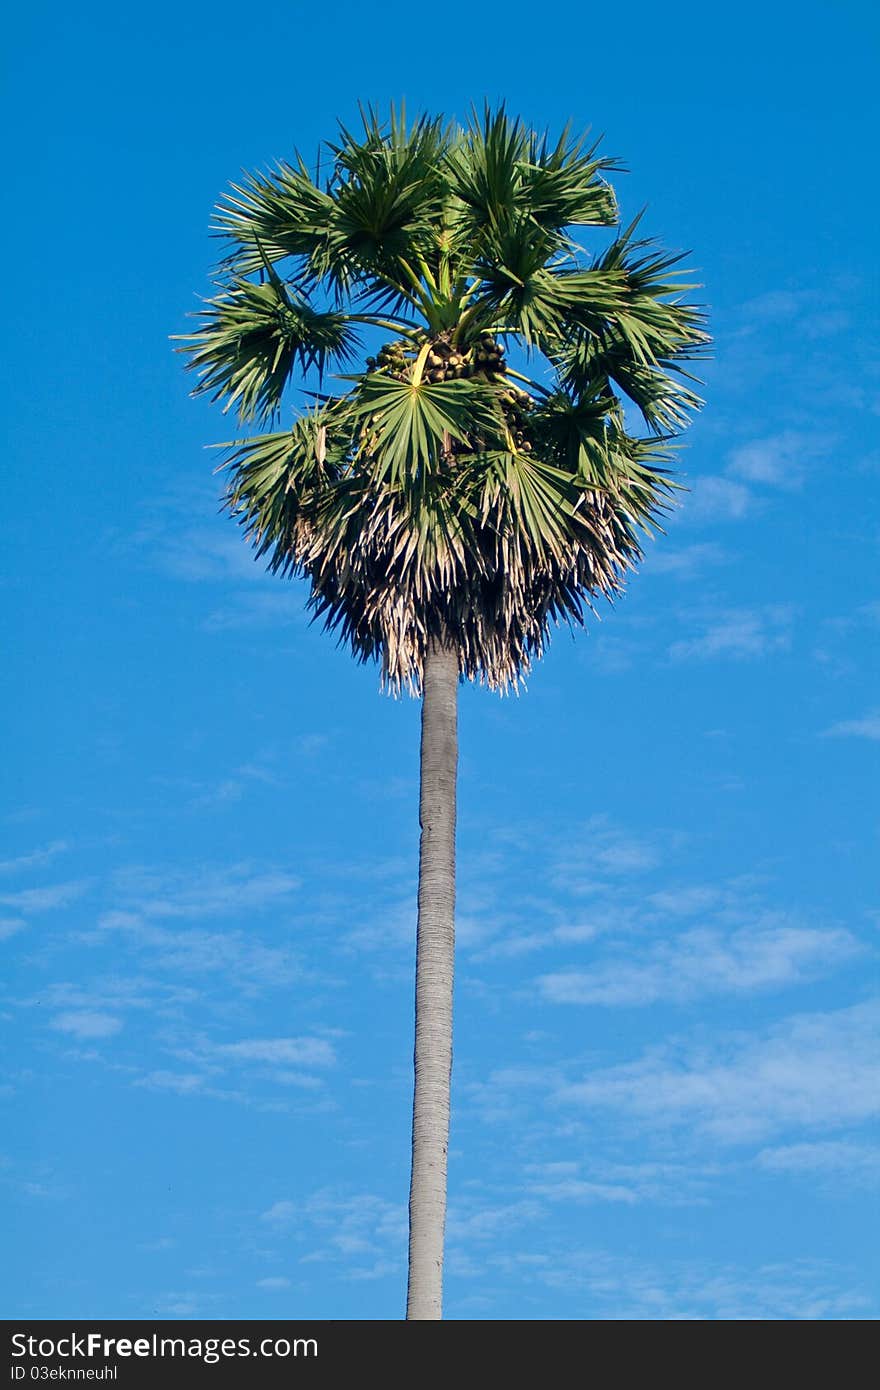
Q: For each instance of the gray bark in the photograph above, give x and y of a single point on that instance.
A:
(435, 945)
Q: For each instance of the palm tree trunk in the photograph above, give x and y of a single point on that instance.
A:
(435, 944)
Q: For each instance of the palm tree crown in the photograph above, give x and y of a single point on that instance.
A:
(442, 495)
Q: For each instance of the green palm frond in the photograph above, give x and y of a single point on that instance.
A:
(565, 184)
(431, 497)
(274, 215)
(408, 424)
(252, 339)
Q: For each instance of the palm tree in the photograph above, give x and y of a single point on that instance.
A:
(477, 479)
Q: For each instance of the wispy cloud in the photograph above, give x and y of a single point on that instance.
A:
(244, 960)
(595, 1282)
(816, 313)
(715, 498)
(281, 606)
(583, 1190)
(183, 1083)
(777, 460)
(280, 1212)
(687, 562)
(739, 634)
(829, 1159)
(362, 1233)
(113, 994)
(228, 791)
(599, 847)
(44, 899)
(204, 555)
(473, 1218)
(159, 911)
(206, 1065)
(205, 892)
(811, 1071)
(688, 899)
(302, 1052)
(866, 727)
(776, 306)
(36, 858)
(86, 1024)
(705, 961)
(670, 1183)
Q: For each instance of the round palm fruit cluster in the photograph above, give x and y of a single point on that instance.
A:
(516, 406)
(484, 359)
(392, 360)
(487, 356)
(444, 362)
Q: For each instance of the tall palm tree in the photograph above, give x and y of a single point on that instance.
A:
(478, 478)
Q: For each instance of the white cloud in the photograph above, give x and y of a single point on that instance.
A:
(626, 1184)
(512, 945)
(739, 634)
(581, 1190)
(870, 612)
(242, 958)
(705, 961)
(282, 1212)
(777, 306)
(279, 608)
(363, 1233)
(179, 1305)
(601, 847)
(812, 1071)
(184, 1083)
(583, 931)
(306, 1081)
(208, 1061)
(113, 993)
(714, 498)
(610, 655)
(200, 555)
(777, 460)
(867, 727)
(476, 1219)
(272, 1284)
(9, 926)
(810, 314)
(149, 900)
(619, 1288)
(35, 858)
(43, 899)
(303, 1052)
(831, 1158)
(685, 901)
(393, 929)
(687, 562)
(206, 892)
(230, 790)
(85, 1023)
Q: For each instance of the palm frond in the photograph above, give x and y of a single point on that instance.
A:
(253, 337)
(430, 497)
(277, 215)
(408, 424)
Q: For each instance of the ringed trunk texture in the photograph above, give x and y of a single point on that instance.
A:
(435, 946)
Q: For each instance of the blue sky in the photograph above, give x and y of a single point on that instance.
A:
(665, 1088)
